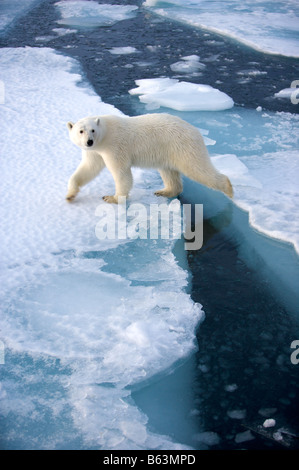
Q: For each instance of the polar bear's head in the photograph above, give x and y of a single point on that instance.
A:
(85, 133)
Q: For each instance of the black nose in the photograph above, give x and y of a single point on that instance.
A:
(89, 143)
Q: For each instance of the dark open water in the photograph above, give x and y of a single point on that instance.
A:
(245, 337)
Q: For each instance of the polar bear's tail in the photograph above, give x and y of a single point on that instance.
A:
(227, 186)
(210, 178)
(220, 182)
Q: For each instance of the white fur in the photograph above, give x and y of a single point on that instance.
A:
(159, 141)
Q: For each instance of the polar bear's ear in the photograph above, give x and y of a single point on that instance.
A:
(70, 125)
(98, 121)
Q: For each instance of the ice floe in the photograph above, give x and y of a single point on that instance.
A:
(123, 50)
(188, 64)
(180, 95)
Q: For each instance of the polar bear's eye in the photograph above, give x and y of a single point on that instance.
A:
(81, 132)
(92, 130)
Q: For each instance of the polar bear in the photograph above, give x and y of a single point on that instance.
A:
(160, 141)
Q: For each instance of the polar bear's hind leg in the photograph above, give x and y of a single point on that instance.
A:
(172, 182)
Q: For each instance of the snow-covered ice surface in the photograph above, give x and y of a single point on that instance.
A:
(91, 349)
(271, 27)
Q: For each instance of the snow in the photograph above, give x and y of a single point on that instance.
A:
(69, 300)
(271, 27)
(180, 95)
(79, 13)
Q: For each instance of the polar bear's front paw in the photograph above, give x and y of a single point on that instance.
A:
(70, 197)
(110, 199)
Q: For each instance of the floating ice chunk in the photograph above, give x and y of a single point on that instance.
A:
(44, 38)
(285, 93)
(251, 73)
(63, 31)
(244, 437)
(123, 50)
(188, 64)
(143, 63)
(191, 58)
(236, 414)
(208, 141)
(278, 436)
(150, 3)
(152, 48)
(231, 388)
(203, 368)
(181, 96)
(80, 13)
(269, 423)
(267, 411)
(291, 93)
(208, 437)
